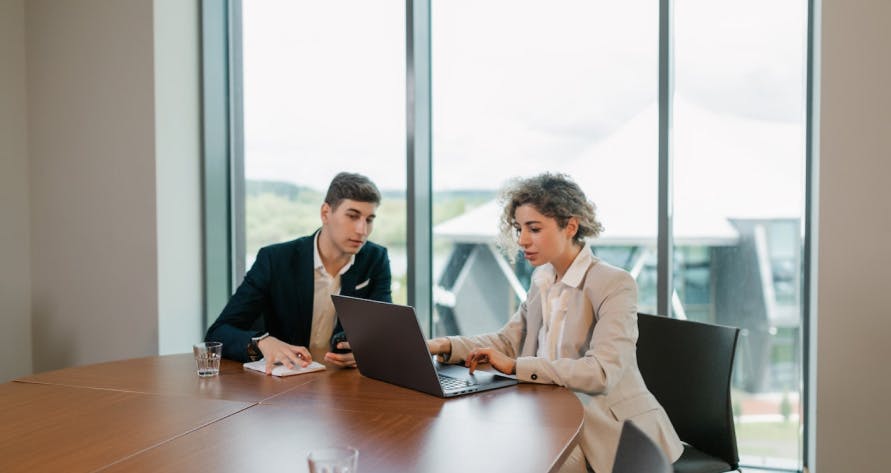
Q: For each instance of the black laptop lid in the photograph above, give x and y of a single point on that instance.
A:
(388, 343)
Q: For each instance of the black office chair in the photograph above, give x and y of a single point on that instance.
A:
(687, 367)
(637, 453)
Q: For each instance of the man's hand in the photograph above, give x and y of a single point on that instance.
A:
(343, 360)
(277, 351)
(498, 360)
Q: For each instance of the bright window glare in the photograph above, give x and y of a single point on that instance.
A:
(518, 90)
(324, 91)
(537, 88)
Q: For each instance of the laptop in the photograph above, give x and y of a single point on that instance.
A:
(389, 346)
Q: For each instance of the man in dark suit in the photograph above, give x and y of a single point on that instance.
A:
(290, 285)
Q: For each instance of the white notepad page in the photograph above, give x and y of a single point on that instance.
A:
(282, 370)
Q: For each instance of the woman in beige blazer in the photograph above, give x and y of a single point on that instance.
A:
(578, 325)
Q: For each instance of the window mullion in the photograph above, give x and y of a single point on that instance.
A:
(664, 244)
(418, 156)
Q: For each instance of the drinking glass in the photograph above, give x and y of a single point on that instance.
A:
(333, 460)
(207, 357)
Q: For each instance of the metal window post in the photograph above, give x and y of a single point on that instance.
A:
(418, 160)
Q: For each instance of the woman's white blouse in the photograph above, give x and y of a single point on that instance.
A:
(555, 302)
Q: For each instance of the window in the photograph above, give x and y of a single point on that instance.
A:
(521, 87)
(578, 96)
(324, 92)
(739, 131)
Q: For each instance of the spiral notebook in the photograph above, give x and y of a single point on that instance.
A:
(282, 370)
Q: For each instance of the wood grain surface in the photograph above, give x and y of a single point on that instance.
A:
(155, 414)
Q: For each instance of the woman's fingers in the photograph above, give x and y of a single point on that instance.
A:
(480, 355)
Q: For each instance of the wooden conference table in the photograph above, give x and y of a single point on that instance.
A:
(155, 414)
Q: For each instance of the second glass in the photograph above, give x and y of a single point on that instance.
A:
(333, 460)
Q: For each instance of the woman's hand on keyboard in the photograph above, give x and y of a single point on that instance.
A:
(498, 360)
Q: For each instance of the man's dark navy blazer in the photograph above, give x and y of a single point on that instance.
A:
(279, 287)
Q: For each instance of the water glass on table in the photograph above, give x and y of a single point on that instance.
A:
(333, 460)
(207, 357)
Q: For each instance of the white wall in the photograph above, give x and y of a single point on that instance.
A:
(853, 424)
(15, 231)
(178, 174)
(92, 148)
(114, 152)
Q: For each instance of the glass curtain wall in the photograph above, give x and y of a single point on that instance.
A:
(519, 88)
(739, 160)
(324, 92)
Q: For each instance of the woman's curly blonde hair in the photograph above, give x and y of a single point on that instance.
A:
(553, 195)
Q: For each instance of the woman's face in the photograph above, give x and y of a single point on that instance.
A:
(542, 239)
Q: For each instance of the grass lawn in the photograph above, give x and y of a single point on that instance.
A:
(768, 439)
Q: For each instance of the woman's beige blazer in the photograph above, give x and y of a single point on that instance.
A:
(598, 357)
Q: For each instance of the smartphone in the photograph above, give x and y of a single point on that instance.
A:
(340, 337)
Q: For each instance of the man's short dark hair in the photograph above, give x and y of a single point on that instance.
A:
(352, 186)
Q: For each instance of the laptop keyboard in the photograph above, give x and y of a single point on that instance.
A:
(449, 384)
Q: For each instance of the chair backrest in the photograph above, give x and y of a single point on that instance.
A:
(687, 366)
(637, 453)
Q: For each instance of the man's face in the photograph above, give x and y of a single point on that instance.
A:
(348, 226)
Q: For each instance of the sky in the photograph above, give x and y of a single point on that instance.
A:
(517, 88)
